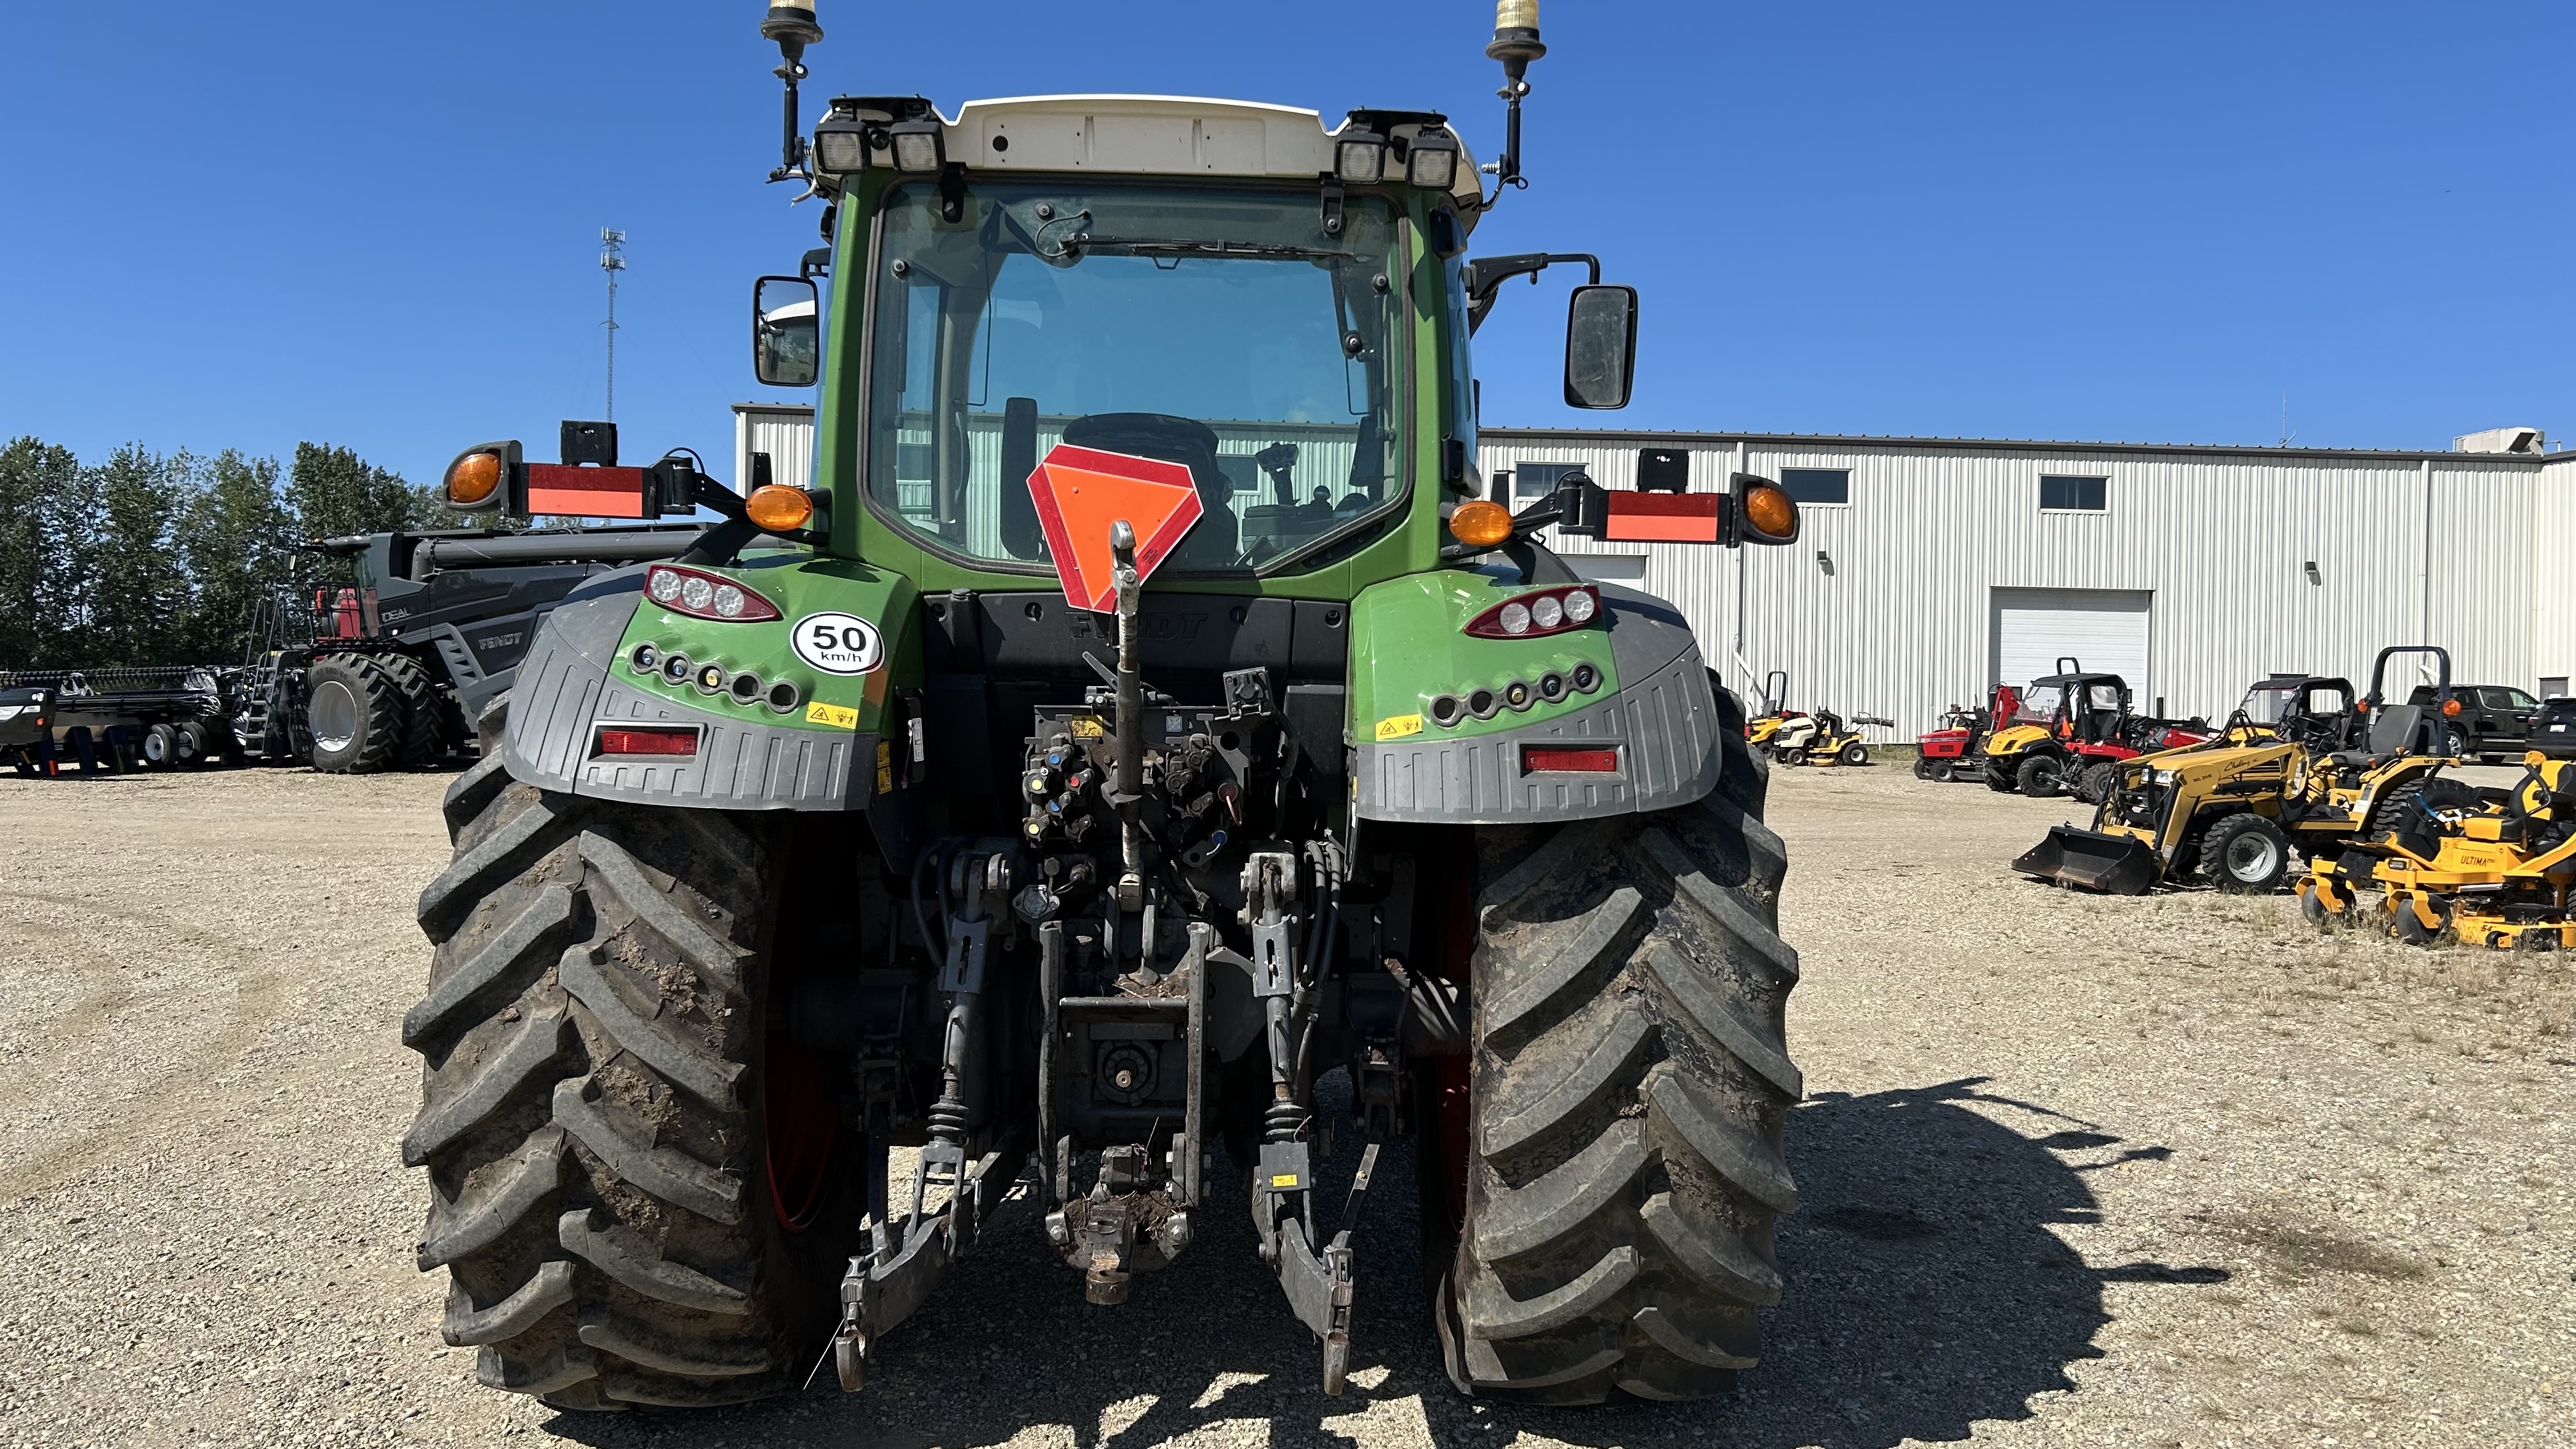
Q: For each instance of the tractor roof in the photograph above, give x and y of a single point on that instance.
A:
(2064, 680)
(1165, 136)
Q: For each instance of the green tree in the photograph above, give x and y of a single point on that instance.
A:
(333, 493)
(236, 540)
(140, 595)
(32, 472)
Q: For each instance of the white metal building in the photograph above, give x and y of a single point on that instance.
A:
(1929, 568)
(1932, 567)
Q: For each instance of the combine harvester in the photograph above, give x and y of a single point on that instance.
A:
(1060, 802)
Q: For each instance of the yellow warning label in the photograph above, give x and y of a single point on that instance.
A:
(1283, 1179)
(885, 768)
(1397, 726)
(838, 716)
(1088, 727)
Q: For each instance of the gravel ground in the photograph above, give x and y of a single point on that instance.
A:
(2074, 1172)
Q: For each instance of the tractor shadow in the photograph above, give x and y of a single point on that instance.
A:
(1926, 1294)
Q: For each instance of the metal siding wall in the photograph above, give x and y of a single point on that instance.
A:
(786, 436)
(2553, 512)
(1901, 626)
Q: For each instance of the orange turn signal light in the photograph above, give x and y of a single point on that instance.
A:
(473, 479)
(2451, 707)
(778, 508)
(1481, 523)
(1769, 512)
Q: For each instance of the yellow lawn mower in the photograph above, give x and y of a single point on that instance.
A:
(1823, 738)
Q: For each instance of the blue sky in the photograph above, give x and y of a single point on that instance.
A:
(243, 225)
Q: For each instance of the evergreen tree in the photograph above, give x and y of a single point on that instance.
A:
(139, 605)
(237, 540)
(31, 472)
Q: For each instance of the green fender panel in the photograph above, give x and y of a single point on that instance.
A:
(799, 712)
(1442, 722)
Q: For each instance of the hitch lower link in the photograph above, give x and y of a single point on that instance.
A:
(907, 1259)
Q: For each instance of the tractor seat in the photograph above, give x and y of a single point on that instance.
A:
(2393, 731)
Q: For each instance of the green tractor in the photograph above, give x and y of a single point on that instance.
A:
(1140, 724)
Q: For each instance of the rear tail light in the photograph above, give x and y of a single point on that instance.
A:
(706, 596)
(1530, 616)
(649, 741)
(1538, 759)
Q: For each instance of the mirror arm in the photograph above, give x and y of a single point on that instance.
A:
(1486, 275)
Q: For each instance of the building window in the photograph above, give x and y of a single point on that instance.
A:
(2074, 495)
(1817, 485)
(1534, 481)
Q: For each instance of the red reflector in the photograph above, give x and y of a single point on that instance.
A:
(563, 490)
(1535, 758)
(681, 741)
(1662, 517)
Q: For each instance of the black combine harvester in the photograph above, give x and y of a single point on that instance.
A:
(395, 671)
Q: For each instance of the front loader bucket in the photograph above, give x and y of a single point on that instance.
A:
(2122, 865)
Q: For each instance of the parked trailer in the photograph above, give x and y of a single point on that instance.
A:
(120, 719)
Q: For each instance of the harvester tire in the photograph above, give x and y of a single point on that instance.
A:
(600, 1101)
(1629, 1087)
(2244, 854)
(423, 736)
(355, 715)
(2041, 777)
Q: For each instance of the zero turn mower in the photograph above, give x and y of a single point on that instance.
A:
(2491, 866)
(2230, 814)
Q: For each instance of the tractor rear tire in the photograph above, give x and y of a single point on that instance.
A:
(1628, 1091)
(355, 714)
(609, 1123)
(2244, 854)
(423, 738)
(1854, 755)
(2041, 777)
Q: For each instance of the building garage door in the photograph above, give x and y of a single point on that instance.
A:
(2104, 628)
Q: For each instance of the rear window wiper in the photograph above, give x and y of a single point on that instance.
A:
(1176, 246)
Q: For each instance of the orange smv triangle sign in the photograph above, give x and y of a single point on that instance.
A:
(1081, 491)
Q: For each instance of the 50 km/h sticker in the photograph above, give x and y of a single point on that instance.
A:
(838, 643)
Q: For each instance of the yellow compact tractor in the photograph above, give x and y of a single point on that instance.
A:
(2230, 814)
(1824, 739)
(2492, 866)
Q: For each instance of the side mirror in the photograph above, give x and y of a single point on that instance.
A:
(786, 332)
(1600, 346)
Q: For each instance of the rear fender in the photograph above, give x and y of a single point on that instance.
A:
(1653, 707)
(837, 747)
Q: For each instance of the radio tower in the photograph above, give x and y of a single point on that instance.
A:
(612, 260)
